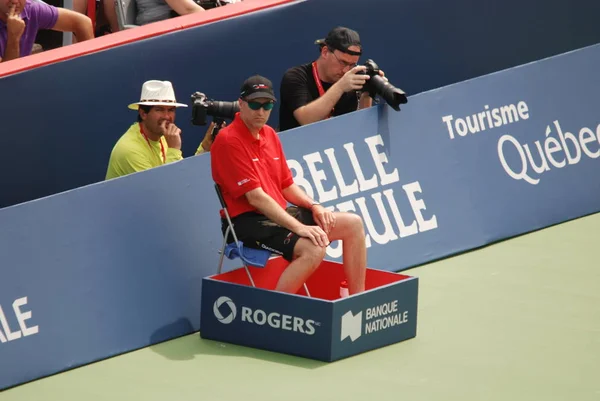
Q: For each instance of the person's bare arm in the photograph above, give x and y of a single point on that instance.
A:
(365, 101)
(183, 7)
(320, 108)
(267, 206)
(323, 217)
(12, 51)
(71, 21)
(111, 14)
(295, 195)
(207, 142)
(15, 26)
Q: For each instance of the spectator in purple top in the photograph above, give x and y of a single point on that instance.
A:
(20, 20)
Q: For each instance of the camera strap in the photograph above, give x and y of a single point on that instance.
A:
(319, 84)
(162, 147)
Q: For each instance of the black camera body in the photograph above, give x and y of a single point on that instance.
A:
(380, 86)
(202, 107)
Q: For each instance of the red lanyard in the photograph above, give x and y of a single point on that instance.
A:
(162, 147)
(318, 82)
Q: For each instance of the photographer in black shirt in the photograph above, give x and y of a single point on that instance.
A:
(330, 86)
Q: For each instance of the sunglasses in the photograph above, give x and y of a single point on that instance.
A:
(257, 105)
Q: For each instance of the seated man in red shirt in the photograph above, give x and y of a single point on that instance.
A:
(249, 165)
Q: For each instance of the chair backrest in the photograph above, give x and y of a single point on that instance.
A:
(126, 12)
(230, 230)
(220, 195)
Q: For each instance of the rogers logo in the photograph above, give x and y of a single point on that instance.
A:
(225, 311)
(279, 321)
(229, 309)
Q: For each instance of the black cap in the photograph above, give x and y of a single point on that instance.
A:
(256, 87)
(341, 39)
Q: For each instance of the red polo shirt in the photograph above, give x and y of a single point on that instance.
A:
(241, 163)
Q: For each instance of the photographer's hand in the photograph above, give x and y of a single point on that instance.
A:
(172, 134)
(367, 96)
(207, 142)
(353, 79)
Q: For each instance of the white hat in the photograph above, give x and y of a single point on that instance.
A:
(157, 93)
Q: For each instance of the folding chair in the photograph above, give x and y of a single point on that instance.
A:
(126, 12)
(248, 256)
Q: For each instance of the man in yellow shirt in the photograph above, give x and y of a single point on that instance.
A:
(154, 139)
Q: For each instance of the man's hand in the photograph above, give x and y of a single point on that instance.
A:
(172, 134)
(369, 93)
(208, 137)
(353, 80)
(15, 26)
(324, 218)
(315, 234)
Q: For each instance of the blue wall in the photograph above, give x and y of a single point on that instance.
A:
(65, 117)
(117, 265)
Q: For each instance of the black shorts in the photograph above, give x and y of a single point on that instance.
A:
(256, 230)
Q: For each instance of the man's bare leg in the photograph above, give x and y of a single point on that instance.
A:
(349, 228)
(307, 258)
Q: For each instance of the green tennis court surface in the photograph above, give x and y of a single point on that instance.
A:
(518, 320)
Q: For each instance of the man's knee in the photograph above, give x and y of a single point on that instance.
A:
(354, 224)
(357, 222)
(307, 250)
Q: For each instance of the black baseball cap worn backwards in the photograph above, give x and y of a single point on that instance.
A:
(341, 38)
(257, 87)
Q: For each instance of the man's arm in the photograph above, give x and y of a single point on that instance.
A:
(12, 51)
(267, 206)
(15, 26)
(71, 21)
(173, 155)
(183, 7)
(295, 195)
(320, 108)
(207, 141)
(365, 101)
(260, 200)
(323, 217)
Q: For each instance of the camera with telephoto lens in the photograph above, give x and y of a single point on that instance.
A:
(377, 85)
(202, 107)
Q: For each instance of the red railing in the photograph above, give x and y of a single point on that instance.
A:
(135, 34)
